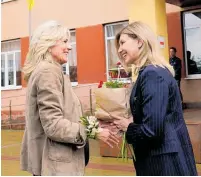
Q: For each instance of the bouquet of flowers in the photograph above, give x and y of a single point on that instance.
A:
(92, 126)
(112, 100)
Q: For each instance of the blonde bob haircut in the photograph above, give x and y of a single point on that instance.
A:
(149, 52)
(44, 37)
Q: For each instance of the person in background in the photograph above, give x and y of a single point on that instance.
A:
(175, 62)
(192, 66)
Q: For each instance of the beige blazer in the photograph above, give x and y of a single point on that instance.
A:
(53, 139)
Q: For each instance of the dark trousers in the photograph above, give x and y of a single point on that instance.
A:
(179, 84)
(86, 152)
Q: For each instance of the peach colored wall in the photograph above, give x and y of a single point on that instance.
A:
(17, 98)
(14, 19)
(73, 13)
(91, 62)
(170, 8)
(76, 14)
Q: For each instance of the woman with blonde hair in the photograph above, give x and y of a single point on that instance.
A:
(54, 140)
(158, 132)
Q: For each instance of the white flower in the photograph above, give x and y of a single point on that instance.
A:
(87, 130)
(91, 123)
(94, 131)
(90, 126)
(92, 120)
(96, 124)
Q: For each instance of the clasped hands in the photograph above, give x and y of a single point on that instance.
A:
(110, 137)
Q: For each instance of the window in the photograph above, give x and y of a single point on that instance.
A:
(192, 37)
(111, 55)
(70, 67)
(10, 65)
(2, 1)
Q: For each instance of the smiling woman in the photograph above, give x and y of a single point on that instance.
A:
(44, 48)
(158, 133)
(53, 132)
(60, 51)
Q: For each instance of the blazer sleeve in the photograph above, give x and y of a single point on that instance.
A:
(154, 107)
(50, 102)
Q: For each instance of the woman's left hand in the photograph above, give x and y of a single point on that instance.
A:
(122, 123)
(107, 137)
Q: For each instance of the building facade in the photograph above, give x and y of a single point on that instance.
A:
(93, 25)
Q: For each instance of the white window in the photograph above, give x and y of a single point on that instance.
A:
(10, 65)
(192, 37)
(70, 68)
(2, 1)
(113, 71)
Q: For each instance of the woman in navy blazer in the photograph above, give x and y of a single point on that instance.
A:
(158, 134)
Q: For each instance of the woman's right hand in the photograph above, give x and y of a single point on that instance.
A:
(107, 137)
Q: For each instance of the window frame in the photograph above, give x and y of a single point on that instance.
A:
(67, 71)
(124, 80)
(14, 86)
(191, 76)
(4, 1)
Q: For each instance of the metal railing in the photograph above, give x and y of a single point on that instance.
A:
(10, 119)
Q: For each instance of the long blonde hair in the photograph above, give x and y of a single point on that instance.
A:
(149, 52)
(44, 37)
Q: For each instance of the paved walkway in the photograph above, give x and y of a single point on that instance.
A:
(98, 166)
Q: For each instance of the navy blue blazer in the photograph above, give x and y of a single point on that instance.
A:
(159, 129)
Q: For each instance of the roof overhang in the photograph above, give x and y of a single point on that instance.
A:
(184, 3)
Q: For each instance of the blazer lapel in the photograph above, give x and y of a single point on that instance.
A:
(133, 96)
